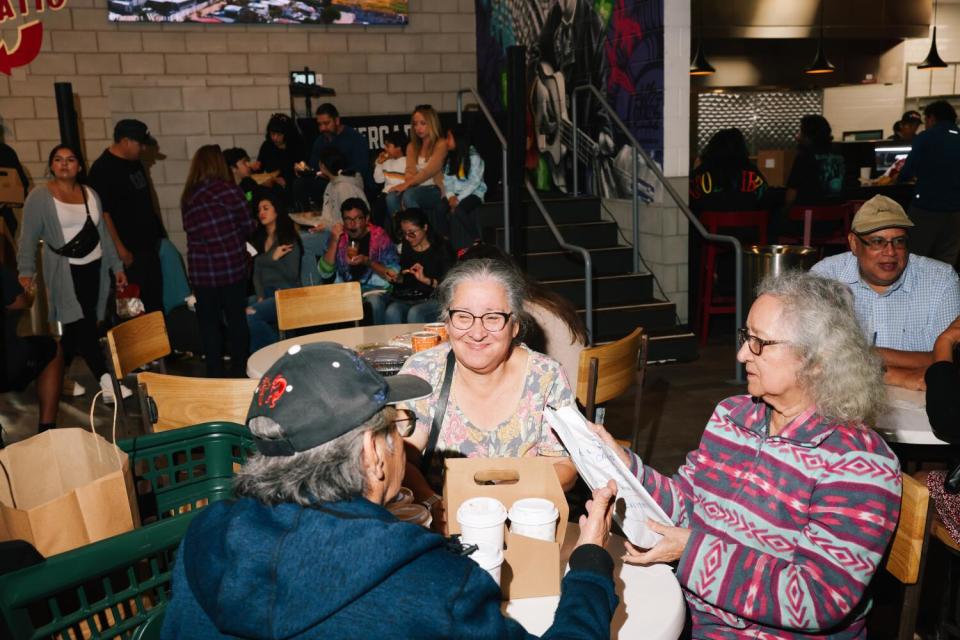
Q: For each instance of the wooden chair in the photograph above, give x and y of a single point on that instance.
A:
(908, 550)
(132, 344)
(608, 370)
(171, 402)
(315, 306)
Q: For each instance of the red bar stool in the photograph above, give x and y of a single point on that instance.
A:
(730, 221)
(808, 214)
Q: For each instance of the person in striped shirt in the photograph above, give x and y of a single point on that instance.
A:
(782, 515)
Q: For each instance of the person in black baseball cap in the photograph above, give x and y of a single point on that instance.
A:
(309, 551)
(910, 121)
(133, 130)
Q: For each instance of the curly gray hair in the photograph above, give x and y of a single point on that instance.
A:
(329, 473)
(839, 369)
(500, 271)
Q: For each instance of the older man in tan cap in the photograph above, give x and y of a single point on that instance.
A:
(903, 302)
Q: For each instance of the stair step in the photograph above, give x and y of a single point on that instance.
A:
(562, 210)
(608, 291)
(675, 344)
(608, 261)
(612, 323)
(589, 235)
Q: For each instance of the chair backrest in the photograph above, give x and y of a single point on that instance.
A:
(716, 220)
(319, 305)
(171, 402)
(150, 630)
(909, 540)
(614, 371)
(138, 341)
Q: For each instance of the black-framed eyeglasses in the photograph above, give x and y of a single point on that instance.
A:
(878, 243)
(406, 422)
(492, 320)
(755, 344)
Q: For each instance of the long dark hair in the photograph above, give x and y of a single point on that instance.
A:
(458, 158)
(815, 133)
(282, 123)
(536, 293)
(726, 145)
(285, 231)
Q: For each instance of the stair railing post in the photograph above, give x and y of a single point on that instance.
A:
(635, 210)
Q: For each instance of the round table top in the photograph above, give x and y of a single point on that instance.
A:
(651, 601)
(905, 420)
(264, 358)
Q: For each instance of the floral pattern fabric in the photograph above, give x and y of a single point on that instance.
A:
(525, 433)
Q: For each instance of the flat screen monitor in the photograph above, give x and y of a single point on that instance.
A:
(885, 156)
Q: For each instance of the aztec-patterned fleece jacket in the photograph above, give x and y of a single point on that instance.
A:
(787, 531)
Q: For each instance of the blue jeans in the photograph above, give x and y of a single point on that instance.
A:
(425, 197)
(314, 246)
(263, 323)
(399, 312)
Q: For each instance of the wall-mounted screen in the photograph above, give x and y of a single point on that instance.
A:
(261, 11)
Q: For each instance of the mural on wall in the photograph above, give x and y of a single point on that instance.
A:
(614, 45)
(261, 11)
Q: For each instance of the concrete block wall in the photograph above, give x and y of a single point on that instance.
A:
(198, 84)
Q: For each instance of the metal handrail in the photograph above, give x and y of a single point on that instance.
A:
(639, 150)
(587, 259)
(503, 146)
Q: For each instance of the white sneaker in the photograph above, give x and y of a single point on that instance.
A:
(106, 385)
(72, 388)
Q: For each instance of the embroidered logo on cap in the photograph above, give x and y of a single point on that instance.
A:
(271, 390)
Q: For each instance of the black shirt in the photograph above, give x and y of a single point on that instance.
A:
(436, 261)
(727, 185)
(273, 158)
(14, 347)
(943, 401)
(125, 193)
(817, 177)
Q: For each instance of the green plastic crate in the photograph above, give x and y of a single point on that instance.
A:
(106, 590)
(182, 469)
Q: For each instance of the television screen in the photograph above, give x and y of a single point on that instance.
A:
(261, 11)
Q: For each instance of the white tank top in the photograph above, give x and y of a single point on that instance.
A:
(72, 217)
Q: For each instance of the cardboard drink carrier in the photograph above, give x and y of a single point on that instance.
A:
(11, 189)
(531, 568)
(65, 488)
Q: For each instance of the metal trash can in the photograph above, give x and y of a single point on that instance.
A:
(761, 260)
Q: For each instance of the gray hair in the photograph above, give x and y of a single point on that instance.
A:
(328, 473)
(508, 276)
(839, 369)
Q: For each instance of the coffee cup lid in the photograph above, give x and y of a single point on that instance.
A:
(481, 512)
(533, 511)
(415, 513)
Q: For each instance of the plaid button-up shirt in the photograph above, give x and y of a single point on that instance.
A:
(217, 220)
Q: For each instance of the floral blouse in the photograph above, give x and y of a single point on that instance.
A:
(525, 433)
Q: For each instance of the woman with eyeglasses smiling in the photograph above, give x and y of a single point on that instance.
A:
(424, 261)
(782, 515)
(490, 389)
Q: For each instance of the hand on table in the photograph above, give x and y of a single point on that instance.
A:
(669, 549)
(595, 526)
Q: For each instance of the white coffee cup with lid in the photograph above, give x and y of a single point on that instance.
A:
(489, 562)
(481, 523)
(534, 518)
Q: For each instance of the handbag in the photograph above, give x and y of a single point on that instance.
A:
(84, 242)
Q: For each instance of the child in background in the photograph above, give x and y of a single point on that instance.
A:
(464, 189)
(388, 170)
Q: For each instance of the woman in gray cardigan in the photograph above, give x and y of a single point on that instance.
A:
(76, 262)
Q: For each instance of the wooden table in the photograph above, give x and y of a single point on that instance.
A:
(905, 420)
(264, 358)
(651, 606)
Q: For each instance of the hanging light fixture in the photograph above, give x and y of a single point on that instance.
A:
(820, 63)
(933, 59)
(699, 65)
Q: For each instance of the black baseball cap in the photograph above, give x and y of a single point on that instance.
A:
(911, 116)
(319, 391)
(135, 130)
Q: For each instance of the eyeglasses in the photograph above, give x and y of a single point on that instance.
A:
(405, 422)
(412, 234)
(878, 243)
(492, 321)
(756, 344)
(353, 219)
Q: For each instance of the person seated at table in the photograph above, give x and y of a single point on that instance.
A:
(781, 517)
(422, 186)
(276, 266)
(458, 215)
(726, 179)
(280, 152)
(360, 251)
(555, 328)
(424, 261)
(308, 549)
(903, 301)
(498, 387)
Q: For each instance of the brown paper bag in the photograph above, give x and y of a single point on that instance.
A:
(531, 568)
(11, 189)
(65, 488)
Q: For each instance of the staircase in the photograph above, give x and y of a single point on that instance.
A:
(622, 300)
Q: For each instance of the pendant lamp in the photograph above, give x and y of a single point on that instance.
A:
(699, 65)
(933, 59)
(820, 63)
